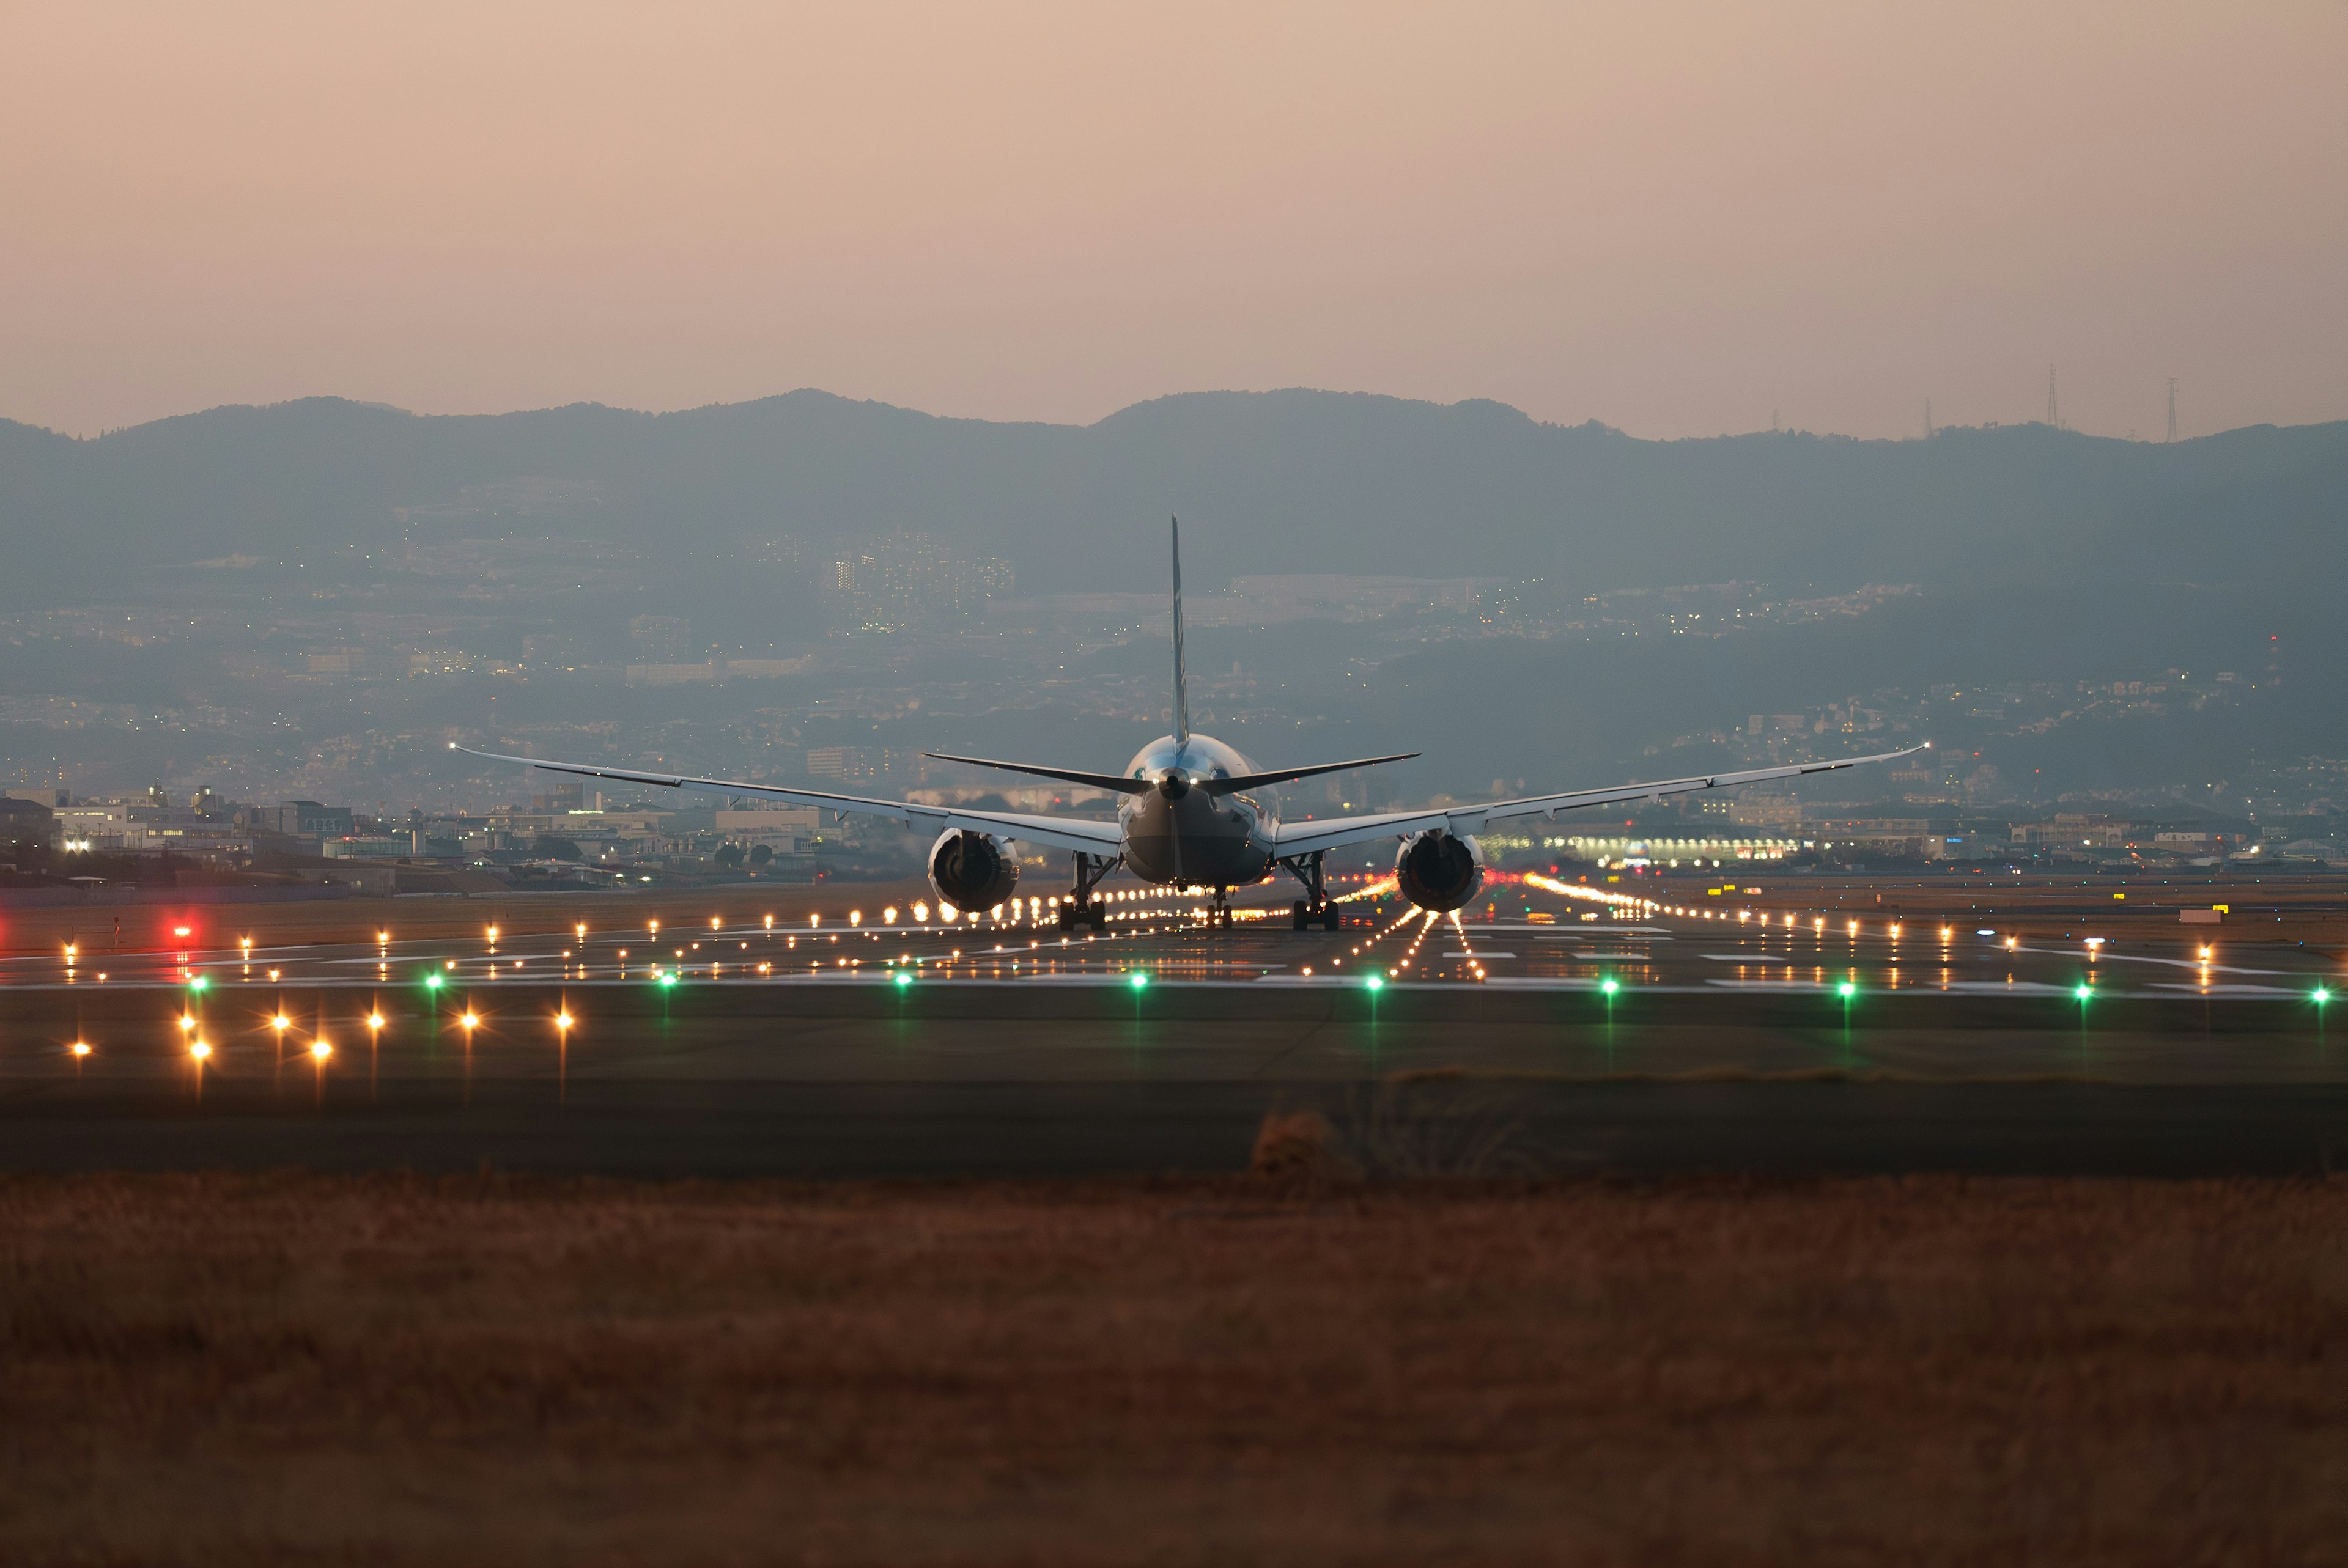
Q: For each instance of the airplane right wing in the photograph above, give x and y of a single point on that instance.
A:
(1048, 832)
(1334, 833)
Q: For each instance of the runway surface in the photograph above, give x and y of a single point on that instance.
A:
(1653, 1039)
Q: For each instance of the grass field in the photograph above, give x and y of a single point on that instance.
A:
(391, 1370)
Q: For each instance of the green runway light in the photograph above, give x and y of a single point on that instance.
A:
(197, 984)
(904, 978)
(1375, 982)
(2322, 995)
(432, 982)
(2084, 992)
(1137, 980)
(1845, 990)
(1608, 987)
(668, 980)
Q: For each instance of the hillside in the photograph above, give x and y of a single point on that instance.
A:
(1274, 482)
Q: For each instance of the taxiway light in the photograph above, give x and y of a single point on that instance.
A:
(81, 1048)
(281, 1022)
(187, 1024)
(374, 1021)
(563, 1020)
(470, 1020)
(199, 1049)
(320, 1049)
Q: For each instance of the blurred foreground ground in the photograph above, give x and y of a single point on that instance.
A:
(393, 1369)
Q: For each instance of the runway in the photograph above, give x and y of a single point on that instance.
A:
(817, 1047)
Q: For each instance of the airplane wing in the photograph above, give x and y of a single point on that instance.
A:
(1334, 833)
(1048, 832)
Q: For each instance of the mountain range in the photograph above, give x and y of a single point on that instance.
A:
(1290, 481)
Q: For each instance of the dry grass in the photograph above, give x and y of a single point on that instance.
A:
(387, 1371)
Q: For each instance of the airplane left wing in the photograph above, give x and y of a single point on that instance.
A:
(1304, 837)
(1048, 832)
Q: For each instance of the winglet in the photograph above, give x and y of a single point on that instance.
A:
(1181, 686)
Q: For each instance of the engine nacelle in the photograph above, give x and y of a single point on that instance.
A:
(972, 870)
(1438, 870)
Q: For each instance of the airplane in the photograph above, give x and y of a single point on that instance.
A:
(1192, 812)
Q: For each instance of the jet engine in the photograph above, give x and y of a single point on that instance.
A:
(1438, 870)
(972, 870)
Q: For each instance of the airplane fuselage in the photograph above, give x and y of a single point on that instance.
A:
(1183, 835)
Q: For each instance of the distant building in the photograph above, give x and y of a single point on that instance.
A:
(661, 639)
(843, 762)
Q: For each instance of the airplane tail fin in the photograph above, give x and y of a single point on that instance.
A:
(1181, 685)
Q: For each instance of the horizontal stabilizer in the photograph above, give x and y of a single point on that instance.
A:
(1254, 781)
(1098, 781)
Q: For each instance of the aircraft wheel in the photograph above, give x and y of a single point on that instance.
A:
(1297, 916)
(1332, 919)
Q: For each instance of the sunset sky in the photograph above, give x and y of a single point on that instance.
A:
(1672, 219)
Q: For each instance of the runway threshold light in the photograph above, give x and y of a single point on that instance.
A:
(904, 978)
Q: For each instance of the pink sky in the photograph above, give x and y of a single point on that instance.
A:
(1673, 219)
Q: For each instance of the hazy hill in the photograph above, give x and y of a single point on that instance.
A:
(1284, 481)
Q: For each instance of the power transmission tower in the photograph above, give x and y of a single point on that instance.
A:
(2172, 408)
(2053, 414)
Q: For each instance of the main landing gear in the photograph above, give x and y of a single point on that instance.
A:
(1315, 908)
(1080, 906)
